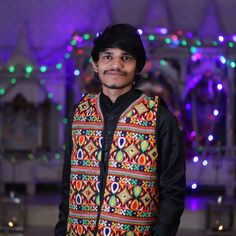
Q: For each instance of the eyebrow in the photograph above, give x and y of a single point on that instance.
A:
(123, 53)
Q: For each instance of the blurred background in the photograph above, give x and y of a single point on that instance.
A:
(45, 68)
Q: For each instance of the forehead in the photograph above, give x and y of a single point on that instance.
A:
(115, 51)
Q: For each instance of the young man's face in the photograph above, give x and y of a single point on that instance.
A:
(116, 69)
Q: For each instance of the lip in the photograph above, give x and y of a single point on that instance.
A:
(117, 73)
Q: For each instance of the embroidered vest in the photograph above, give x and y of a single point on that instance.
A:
(130, 205)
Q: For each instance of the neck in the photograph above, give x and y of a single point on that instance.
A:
(113, 94)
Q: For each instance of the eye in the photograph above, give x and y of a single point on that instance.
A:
(107, 57)
(127, 58)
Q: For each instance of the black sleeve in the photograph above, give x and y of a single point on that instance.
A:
(172, 181)
(61, 226)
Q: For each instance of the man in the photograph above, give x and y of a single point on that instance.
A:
(124, 172)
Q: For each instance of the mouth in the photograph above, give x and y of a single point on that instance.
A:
(116, 73)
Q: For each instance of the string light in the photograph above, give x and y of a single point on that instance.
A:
(86, 36)
(233, 64)
(221, 38)
(210, 138)
(215, 112)
(219, 87)
(205, 163)
(43, 69)
(11, 69)
(140, 31)
(58, 66)
(50, 95)
(76, 72)
(195, 159)
(194, 186)
(151, 37)
(29, 69)
(13, 81)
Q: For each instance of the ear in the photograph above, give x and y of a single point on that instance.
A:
(95, 66)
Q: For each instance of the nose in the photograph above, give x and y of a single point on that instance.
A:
(117, 63)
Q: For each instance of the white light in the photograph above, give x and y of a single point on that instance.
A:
(221, 227)
(234, 38)
(140, 32)
(194, 186)
(210, 138)
(221, 38)
(10, 224)
(219, 86)
(222, 59)
(216, 112)
(76, 72)
(205, 163)
(195, 159)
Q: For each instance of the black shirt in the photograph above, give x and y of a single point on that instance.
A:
(171, 163)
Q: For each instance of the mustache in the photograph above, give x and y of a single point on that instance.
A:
(115, 70)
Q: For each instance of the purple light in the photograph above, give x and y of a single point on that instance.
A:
(188, 106)
(221, 38)
(205, 163)
(76, 37)
(197, 56)
(193, 134)
(80, 39)
(210, 138)
(216, 112)
(195, 159)
(162, 30)
(219, 87)
(194, 186)
(69, 48)
(140, 31)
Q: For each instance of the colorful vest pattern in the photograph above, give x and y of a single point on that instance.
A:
(130, 205)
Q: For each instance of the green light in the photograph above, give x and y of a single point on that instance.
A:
(11, 69)
(2, 91)
(198, 42)
(73, 42)
(59, 107)
(50, 95)
(231, 44)
(193, 49)
(43, 69)
(200, 149)
(28, 69)
(86, 36)
(233, 64)
(167, 40)
(65, 121)
(162, 62)
(214, 43)
(184, 43)
(151, 37)
(13, 80)
(57, 156)
(67, 55)
(30, 156)
(58, 66)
